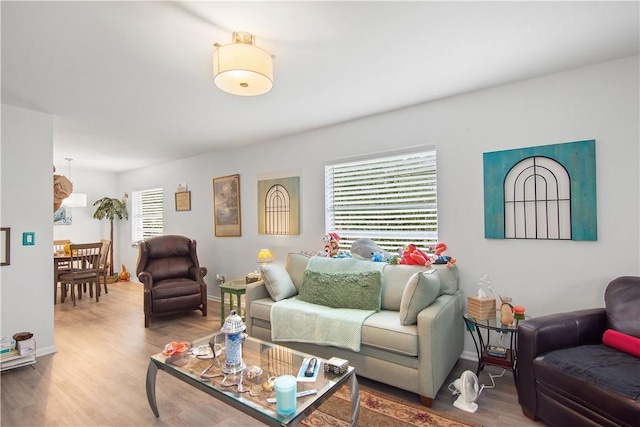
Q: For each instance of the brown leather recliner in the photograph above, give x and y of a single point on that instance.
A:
(173, 280)
(566, 376)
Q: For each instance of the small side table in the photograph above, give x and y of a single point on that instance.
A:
(476, 329)
(233, 287)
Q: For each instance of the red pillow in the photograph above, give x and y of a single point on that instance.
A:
(622, 342)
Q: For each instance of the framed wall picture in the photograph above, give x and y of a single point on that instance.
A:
(63, 216)
(5, 246)
(226, 206)
(279, 206)
(183, 201)
(545, 192)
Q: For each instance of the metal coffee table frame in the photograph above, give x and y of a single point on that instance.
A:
(257, 408)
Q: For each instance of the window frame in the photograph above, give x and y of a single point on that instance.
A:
(421, 229)
(139, 232)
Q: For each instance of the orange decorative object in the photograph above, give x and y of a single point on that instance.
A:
(124, 275)
(175, 348)
(518, 312)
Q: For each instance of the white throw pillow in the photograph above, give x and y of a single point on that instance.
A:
(420, 291)
(278, 282)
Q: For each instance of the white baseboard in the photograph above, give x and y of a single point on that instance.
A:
(43, 351)
(469, 355)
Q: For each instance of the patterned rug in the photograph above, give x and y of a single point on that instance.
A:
(378, 411)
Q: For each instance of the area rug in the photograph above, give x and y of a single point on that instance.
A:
(379, 411)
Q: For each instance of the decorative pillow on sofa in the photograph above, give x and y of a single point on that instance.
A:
(623, 342)
(278, 282)
(361, 290)
(420, 291)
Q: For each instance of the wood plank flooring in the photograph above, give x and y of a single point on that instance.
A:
(97, 377)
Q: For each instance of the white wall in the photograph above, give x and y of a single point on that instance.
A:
(27, 205)
(599, 102)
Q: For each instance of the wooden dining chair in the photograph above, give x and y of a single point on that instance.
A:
(85, 269)
(104, 262)
(58, 248)
(60, 266)
(58, 245)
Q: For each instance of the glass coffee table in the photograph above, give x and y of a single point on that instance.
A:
(247, 391)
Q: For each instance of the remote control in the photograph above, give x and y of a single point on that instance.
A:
(310, 367)
(299, 394)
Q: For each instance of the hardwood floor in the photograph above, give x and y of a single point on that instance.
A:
(97, 377)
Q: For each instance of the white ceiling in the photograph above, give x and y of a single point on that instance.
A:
(130, 83)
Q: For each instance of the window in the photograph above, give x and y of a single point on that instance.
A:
(391, 199)
(146, 218)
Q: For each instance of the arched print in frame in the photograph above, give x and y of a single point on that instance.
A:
(279, 206)
(543, 193)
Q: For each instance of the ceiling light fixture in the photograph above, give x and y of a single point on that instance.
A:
(75, 200)
(241, 68)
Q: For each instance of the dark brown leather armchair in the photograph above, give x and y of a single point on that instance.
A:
(173, 280)
(566, 376)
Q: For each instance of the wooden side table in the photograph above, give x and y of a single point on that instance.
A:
(233, 287)
(475, 328)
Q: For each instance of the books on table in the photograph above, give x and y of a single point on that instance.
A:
(26, 347)
(23, 354)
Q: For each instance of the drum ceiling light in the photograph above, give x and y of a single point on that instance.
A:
(241, 68)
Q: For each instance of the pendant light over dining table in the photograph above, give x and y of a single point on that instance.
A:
(241, 68)
(75, 199)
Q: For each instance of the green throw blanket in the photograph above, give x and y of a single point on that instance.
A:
(299, 321)
(352, 286)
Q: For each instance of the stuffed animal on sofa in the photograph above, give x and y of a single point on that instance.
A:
(438, 257)
(377, 257)
(411, 255)
(367, 249)
(438, 249)
(331, 245)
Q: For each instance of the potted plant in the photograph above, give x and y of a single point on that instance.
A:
(111, 209)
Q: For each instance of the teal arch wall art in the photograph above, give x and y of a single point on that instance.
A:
(546, 192)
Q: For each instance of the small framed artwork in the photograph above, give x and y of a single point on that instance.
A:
(226, 206)
(5, 246)
(183, 201)
(63, 216)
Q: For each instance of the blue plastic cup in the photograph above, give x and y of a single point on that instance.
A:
(286, 389)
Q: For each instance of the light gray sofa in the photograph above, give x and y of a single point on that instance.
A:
(417, 358)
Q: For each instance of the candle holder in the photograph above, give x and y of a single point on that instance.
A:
(234, 335)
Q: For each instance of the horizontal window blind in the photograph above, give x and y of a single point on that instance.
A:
(147, 214)
(391, 200)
